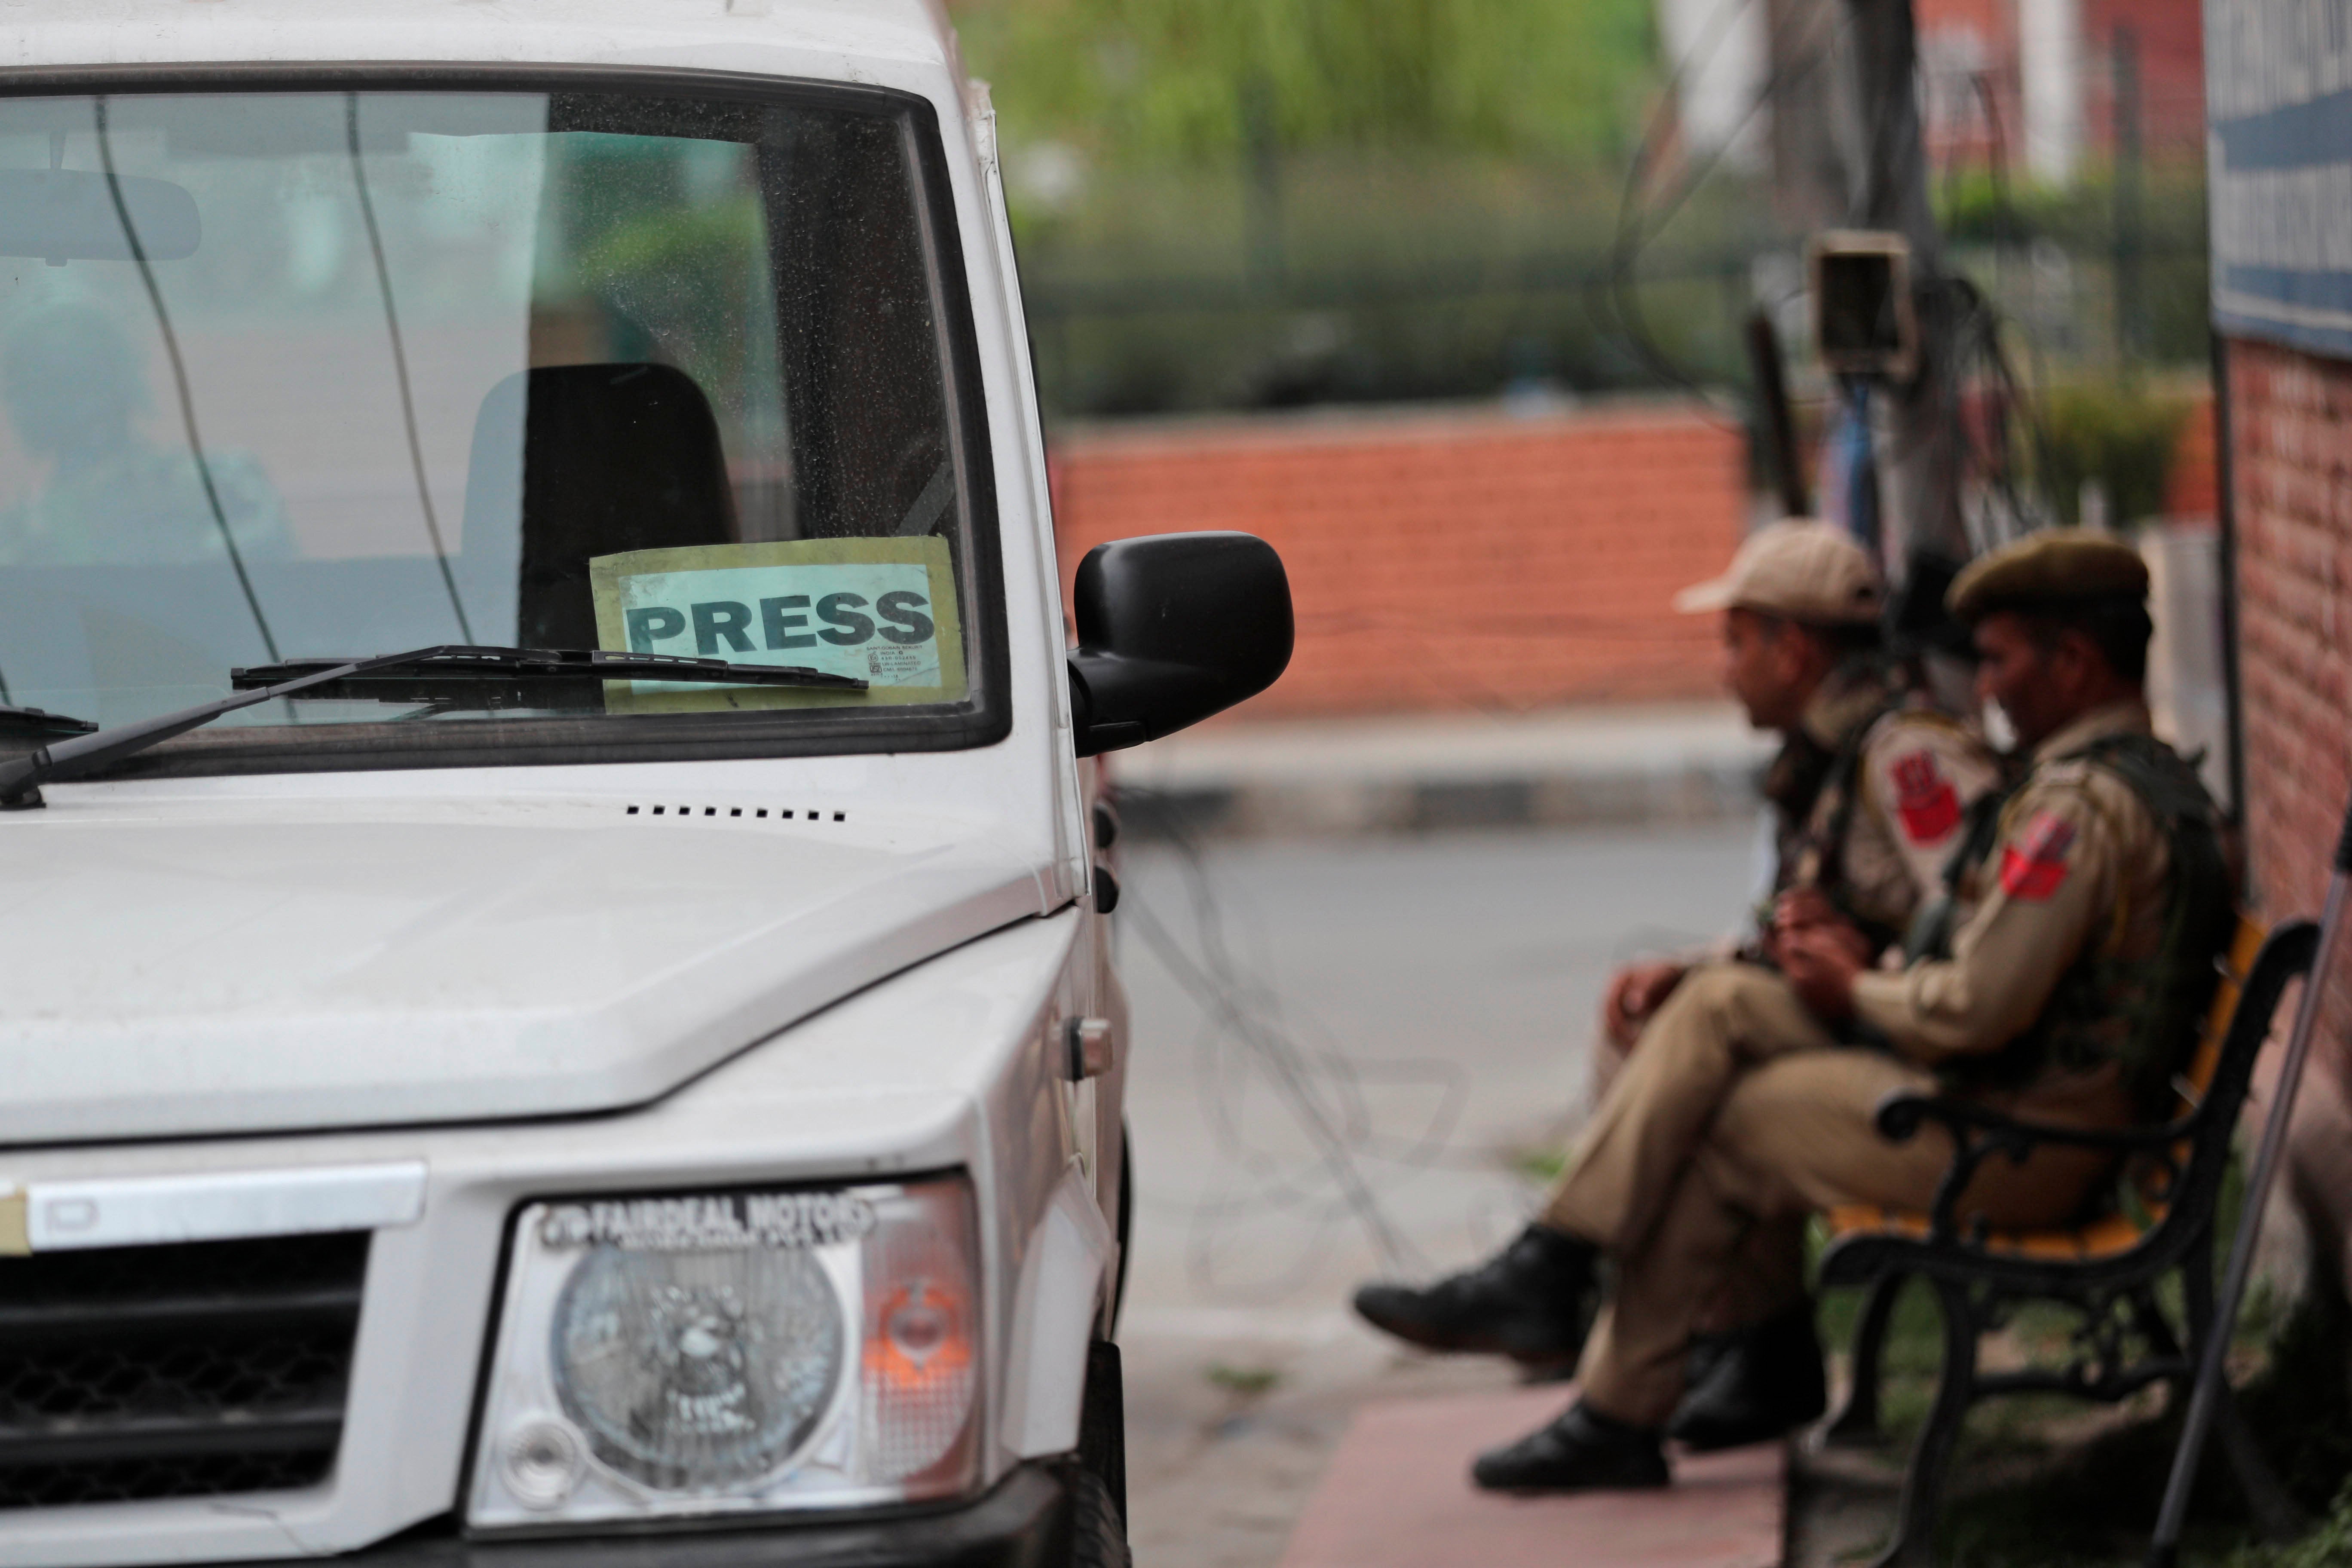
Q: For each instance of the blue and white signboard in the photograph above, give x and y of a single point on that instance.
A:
(2278, 103)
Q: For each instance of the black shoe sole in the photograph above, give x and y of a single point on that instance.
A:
(1641, 1483)
(1569, 1488)
(1701, 1437)
(1716, 1442)
(1703, 1427)
(1429, 1338)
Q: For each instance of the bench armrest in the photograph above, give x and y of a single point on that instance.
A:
(1901, 1114)
(1978, 1132)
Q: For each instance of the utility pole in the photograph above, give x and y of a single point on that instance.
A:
(2131, 305)
(1916, 432)
(1809, 187)
(1848, 151)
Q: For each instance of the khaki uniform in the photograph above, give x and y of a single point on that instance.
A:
(1876, 843)
(1739, 1109)
(1870, 802)
(1879, 843)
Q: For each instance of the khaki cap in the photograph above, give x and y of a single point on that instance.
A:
(1806, 570)
(2056, 566)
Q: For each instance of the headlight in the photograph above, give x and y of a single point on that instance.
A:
(730, 1352)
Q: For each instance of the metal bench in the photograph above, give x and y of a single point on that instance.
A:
(2108, 1269)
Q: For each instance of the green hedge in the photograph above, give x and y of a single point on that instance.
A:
(2123, 433)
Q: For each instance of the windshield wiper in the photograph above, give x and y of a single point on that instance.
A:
(18, 722)
(464, 664)
(463, 674)
(21, 779)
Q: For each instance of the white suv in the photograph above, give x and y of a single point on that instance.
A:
(555, 1003)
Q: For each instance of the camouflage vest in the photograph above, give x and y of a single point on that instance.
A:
(2143, 1013)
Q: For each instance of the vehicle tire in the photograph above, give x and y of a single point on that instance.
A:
(1102, 1422)
(1126, 1226)
(1096, 1475)
(1097, 1534)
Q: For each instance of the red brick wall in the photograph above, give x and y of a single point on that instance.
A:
(1445, 561)
(2171, 38)
(2193, 488)
(2291, 434)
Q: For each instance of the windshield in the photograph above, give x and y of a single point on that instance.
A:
(295, 375)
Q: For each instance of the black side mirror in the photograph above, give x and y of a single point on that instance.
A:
(1172, 628)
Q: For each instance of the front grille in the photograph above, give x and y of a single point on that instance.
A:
(189, 1371)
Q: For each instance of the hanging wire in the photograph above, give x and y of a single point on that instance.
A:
(400, 367)
(1642, 218)
(2018, 400)
(179, 375)
(1628, 241)
(1978, 354)
(1320, 1089)
(1983, 450)
(1251, 1035)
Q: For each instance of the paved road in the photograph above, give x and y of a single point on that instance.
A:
(1339, 1049)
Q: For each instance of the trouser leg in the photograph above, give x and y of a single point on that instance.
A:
(1633, 1362)
(1767, 1275)
(1721, 1021)
(1764, 1276)
(1794, 1135)
(1604, 1063)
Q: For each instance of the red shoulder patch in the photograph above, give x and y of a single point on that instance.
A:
(1925, 801)
(2034, 866)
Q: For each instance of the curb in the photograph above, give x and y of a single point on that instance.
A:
(1261, 808)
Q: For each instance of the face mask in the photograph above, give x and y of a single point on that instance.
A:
(1999, 733)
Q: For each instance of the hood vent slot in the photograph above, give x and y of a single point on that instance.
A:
(747, 812)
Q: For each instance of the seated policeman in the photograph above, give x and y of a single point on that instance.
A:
(1870, 783)
(1868, 796)
(2063, 983)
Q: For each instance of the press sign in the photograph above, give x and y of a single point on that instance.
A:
(874, 621)
(882, 610)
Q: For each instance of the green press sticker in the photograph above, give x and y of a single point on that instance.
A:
(883, 610)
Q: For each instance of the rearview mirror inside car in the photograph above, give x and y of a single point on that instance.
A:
(1172, 628)
(69, 215)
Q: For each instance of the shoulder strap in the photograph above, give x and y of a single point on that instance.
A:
(1930, 936)
(1846, 779)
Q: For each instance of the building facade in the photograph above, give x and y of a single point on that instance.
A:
(2279, 84)
(2048, 89)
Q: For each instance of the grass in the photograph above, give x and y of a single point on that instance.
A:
(1541, 1166)
(2330, 1544)
(1249, 1382)
(2038, 1481)
(2095, 1502)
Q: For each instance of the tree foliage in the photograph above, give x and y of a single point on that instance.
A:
(1192, 80)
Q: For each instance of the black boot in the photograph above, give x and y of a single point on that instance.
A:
(1532, 1302)
(1582, 1451)
(1761, 1382)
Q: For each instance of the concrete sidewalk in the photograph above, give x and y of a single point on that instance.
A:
(1630, 764)
(1398, 1495)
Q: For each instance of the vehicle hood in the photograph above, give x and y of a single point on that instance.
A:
(209, 967)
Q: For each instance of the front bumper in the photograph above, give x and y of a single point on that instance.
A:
(1021, 1522)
